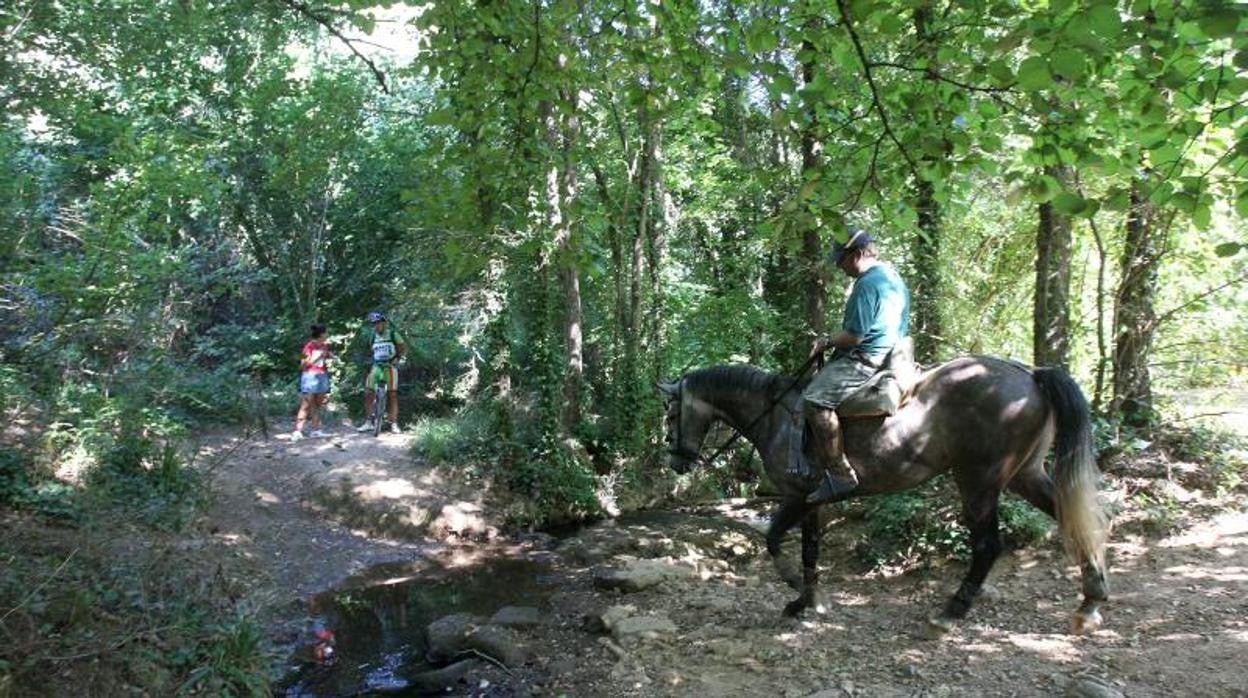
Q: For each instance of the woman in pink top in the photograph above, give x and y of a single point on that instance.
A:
(313, 383)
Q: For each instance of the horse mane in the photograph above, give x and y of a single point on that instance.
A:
(735, 377)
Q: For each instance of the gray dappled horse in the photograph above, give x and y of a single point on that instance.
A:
(989, 422)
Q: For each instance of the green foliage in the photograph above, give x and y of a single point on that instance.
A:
(152, 615)
(185, 186)
(230, 659)
(913, 527)
(920, 525)
(149, 476)
(559, 485)
(435, 439)
(21, 489)
(1222, 455)
(1159, 511)
(1022, 524)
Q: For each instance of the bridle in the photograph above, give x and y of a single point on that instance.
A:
(679, 449)
(694, 457)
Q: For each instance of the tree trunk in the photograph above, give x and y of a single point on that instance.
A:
(1051, 310)
(925, 253)
(925, 247)
(814, 278)
(561, 189)
(654, 246)
(1135, 316)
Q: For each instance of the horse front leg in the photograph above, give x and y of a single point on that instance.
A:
(811, 533)
(791, 510)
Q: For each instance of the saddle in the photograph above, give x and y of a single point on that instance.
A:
(886, 391)
(881, 396)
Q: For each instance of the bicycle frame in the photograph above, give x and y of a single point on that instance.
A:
(380, 377)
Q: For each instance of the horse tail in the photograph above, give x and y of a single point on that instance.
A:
(1080, 518)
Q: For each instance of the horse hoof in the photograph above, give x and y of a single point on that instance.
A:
(794, 608)
(938, 626)
(1085, 622)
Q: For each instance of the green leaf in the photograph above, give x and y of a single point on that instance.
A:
(1241, 59)
(1203, 215)
(783, 83)
(1033, 74)
(1069, 203)
(1228, 249)
(1104, 20)
(1220, 23)
(1116, 200)
(1184, 202)
(1069, 63)
(441, 117)
(1044, 188)
(1000, 72)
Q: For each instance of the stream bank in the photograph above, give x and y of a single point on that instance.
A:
(705, 616)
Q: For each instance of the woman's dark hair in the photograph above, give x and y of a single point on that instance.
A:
(317, 331)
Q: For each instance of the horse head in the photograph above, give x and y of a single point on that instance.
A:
(687, 423)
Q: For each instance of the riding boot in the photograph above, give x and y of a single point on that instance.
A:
(839, 478)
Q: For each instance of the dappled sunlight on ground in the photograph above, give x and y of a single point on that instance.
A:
(317, 511)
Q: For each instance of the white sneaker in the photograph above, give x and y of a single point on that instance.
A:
(296, 436)
(316, 434)
(394, 428)
(366, 426)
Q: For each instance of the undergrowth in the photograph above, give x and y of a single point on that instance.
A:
(97, 586)
(110, 606)
(924, 524)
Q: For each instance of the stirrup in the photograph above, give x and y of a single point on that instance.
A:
(832, 488)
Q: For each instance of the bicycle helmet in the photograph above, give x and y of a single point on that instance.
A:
(376, 316)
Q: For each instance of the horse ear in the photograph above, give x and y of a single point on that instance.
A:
(668, 389)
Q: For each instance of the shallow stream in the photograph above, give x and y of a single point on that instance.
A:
(379, 618)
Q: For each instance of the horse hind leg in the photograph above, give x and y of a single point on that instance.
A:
(1035, 486)
(986, 545)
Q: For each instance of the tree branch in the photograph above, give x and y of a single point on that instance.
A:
(1199, 297)
(875, 93)
(324, 21)
(937, 75)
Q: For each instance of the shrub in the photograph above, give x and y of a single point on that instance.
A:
(925, 523)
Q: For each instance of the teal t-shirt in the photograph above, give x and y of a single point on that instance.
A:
(878, 310)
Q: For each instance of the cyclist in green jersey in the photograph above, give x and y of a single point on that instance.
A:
(387, 347)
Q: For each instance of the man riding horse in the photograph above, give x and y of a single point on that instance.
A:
(876, 319)
(990, 423)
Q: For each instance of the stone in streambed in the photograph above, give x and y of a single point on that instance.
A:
(516, 617)
(444, 678)
(635, 575)
(448, 636)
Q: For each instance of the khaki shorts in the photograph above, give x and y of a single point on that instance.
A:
(837, 381)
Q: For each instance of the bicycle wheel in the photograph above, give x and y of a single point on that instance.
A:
(379, 407)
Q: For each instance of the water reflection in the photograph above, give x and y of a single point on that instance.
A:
(379, 619)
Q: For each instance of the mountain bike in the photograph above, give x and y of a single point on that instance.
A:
(380, 377)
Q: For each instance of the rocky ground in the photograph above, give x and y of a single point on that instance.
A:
(686, 603)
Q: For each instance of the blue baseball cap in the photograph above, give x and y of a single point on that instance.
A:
(858, 239)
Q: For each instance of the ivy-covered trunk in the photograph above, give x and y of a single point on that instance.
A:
(925, 247)
(1135, 316)
(813, 276)
(1051, 309)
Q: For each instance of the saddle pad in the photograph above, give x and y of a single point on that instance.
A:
(880, 396)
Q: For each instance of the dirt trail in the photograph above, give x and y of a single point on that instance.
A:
(1177, 623)
(264, 504)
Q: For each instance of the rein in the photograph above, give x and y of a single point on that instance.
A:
(696, 457)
